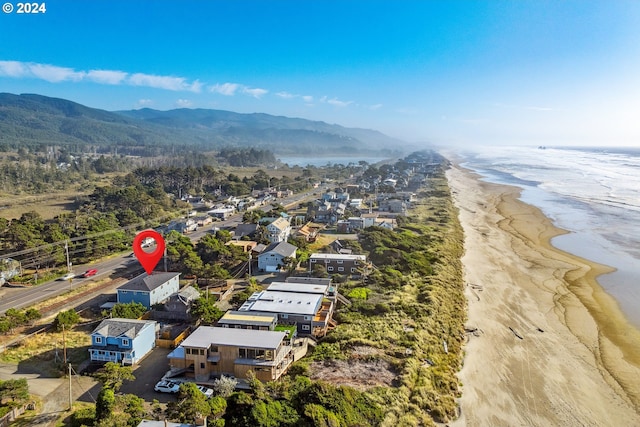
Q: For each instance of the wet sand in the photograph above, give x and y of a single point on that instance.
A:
(551, 347)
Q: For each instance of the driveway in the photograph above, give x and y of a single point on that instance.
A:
(148, 372)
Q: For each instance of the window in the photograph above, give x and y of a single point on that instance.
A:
(201, 352)
(125, 342)
(213, 349)
(307, 317)
(201, 365)
(98, 340)
(313, 260)
(340, 268)
(284, 316)
(329, 268)
(306, 327)
(340, 261)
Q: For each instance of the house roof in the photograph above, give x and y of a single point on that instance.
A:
(148, 282)
(284, 302)
(331, 257)
(280, 223)
(309, 280)
(304, 288)
(247, 318)
(205, 336)
(282, 248)
(245, 230)
(121, 327)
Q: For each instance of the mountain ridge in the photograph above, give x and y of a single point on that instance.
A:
(32, 119)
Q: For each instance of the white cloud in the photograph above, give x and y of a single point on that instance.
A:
(55, 74)
(107, 76)
(50, 73)
(255, 92)
(286, 95)
(13, 69)
(375, 107)
(307, 98)
(227, 89)
(163, 82)
(183, 103)
(336, 102)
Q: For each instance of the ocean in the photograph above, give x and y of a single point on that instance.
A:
(594, 193)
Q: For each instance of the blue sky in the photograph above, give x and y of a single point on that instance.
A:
(444, 72)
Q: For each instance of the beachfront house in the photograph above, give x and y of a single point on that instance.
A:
(210, 352)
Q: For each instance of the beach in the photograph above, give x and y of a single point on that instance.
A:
(546, 345)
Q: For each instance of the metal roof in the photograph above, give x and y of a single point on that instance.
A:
(304, 288)
(205, 336)
(286, 302)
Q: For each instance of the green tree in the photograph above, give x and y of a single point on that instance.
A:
(112, 375)
(105, 402)
(66, 319)
(15, 391)
(131, 310)
(190, 406)
(206, 310)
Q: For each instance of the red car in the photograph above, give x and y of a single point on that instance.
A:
(89, 273)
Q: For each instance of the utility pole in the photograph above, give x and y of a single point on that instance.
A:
(66, 249)
(70, 394)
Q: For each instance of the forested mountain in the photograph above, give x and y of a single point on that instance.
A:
(30, 120)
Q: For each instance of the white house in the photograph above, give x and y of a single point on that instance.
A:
(279, 230)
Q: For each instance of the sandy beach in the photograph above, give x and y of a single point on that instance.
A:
(551, 347)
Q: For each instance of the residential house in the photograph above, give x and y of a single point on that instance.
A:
(149, 289)
(246, 245)
(187, 225)
(299, 304)
(273, 257)
(338, 263)
(248, 320)
(392, 205)
(210, 352)
(222, 212)
(388, 223)
(245, 230)
(279, 230)
(123, 341)
(178, 305)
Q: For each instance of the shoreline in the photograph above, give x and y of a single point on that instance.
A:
(553, 348)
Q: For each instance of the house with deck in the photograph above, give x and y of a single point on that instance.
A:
(123, 341)
(210, 352)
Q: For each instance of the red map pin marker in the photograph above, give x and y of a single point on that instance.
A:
(149, 260)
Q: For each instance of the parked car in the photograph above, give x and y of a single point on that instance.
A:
(206, 391)
(68, 276)
(165, 386)
(90, 272)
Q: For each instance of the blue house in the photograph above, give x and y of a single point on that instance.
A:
(149, 289)
(123, 341)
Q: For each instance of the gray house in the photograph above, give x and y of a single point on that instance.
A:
(149, 289)
(273, 257)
